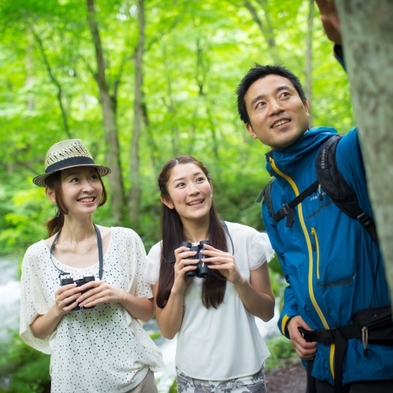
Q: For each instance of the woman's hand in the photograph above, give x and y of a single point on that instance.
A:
(66, 298)
(256, 294)
(222, 261)
(183, 264)
(100, 292)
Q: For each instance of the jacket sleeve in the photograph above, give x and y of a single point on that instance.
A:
(339, 55)
(290, 308)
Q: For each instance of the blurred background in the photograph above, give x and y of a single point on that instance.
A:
(141, 82)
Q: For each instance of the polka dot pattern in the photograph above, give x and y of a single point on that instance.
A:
(102, 349)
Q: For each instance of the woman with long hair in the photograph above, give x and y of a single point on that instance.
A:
(211, 279)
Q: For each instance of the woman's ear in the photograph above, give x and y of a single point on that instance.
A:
(168, 203)
(50, 194)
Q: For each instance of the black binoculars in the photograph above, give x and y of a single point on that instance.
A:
(79, 283)
(202, 269)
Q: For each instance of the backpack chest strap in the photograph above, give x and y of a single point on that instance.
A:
(288, 209)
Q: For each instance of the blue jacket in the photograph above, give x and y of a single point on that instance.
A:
(329, 260)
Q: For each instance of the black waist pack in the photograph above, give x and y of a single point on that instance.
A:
(376, 325)
(372, 325)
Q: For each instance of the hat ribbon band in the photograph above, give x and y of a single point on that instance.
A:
(69, 162)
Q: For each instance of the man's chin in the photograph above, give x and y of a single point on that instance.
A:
(288, 142)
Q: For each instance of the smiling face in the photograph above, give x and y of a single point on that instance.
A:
(80, 190)
(190, 192)
(278, 116)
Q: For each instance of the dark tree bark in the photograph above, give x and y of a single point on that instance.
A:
(54, 80)
(108, 103)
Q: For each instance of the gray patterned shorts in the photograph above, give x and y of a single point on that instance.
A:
(251, 384)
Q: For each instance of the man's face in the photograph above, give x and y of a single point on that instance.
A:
(278, 116)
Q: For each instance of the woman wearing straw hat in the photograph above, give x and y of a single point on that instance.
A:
(82, 289)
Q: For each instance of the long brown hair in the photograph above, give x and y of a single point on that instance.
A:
(54, 183)
(213, 289)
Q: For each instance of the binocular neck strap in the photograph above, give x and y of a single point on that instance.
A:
(100, 253)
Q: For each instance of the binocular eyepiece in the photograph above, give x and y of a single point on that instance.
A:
(79, 283)
(202, 269)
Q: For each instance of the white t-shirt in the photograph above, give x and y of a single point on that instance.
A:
(102, 349)
(223, 343)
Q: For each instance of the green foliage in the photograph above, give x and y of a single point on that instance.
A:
(155, 336)
(281, 352)
(22, 217)
(173, 388)
(27, 368)
(196, 53)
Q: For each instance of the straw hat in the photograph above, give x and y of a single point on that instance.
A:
(68, 154)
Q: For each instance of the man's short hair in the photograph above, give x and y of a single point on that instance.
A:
(258, 72)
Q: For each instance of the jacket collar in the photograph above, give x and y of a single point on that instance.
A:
(291, 159)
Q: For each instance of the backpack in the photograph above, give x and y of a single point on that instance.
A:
(332, 182)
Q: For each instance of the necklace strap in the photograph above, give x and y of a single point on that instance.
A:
(100, 254)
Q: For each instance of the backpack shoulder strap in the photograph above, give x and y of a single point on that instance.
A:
(265, 195)
(334, 184)
(288, 209)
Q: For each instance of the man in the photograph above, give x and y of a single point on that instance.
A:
(333, 267)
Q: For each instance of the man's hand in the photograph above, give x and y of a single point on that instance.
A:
(330, 20)
(304, 349)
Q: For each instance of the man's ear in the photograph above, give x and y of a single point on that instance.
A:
(251, 130)
(168, 203)
(307, 108)
(50, 194)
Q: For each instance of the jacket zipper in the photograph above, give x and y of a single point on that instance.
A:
(310, 259)
(316, 245)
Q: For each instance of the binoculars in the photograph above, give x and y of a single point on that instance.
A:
(79, 283)
(202, 269)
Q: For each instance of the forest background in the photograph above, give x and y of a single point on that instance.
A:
(141, 81)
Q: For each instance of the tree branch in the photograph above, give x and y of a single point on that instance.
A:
(54, 81)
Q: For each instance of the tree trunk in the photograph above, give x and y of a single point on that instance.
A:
(54, 80)
(139, 117)
(108, 103)
(308, 62)
(202, 71)
(367, 33)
